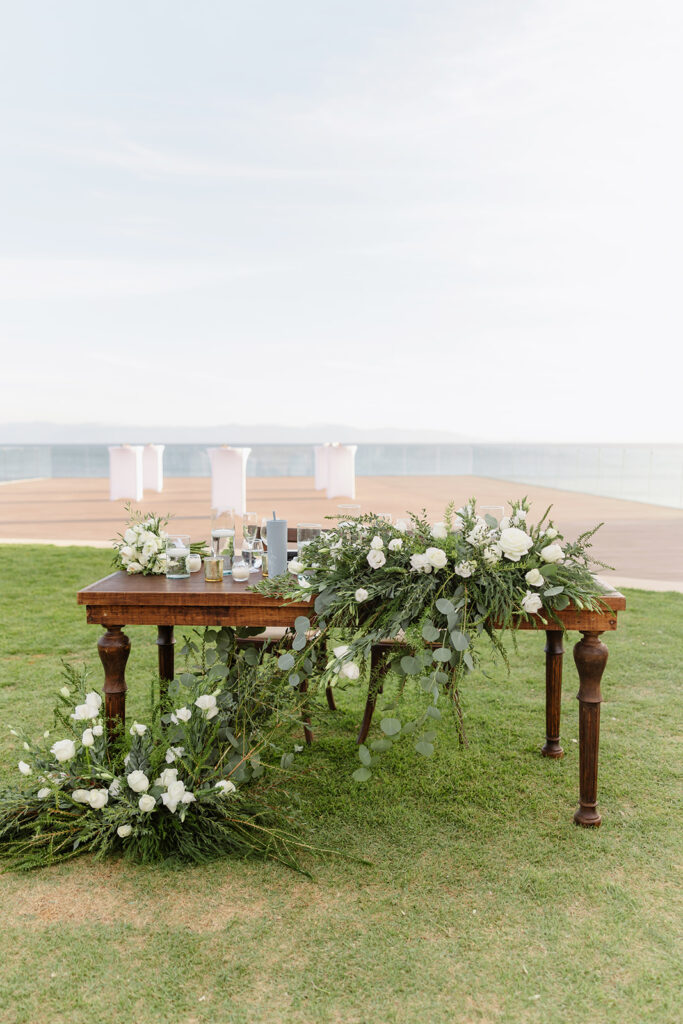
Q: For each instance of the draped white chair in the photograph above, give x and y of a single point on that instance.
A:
(229, 478)
(320, 453)
(153, 467)
(125, 472)
(341, 470)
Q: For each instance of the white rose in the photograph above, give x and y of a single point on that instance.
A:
(296, 567)
(515, 543)
(147, 803)
(44, 793)
(87, 739)
(137, 729)
(465, 569)
(552, 553)
(133, 568)
(420, 563)
(350, 670)
(340, 651)
(188, 798)
(124, 830)
(168, 776)
(173, 795)
(396, 544)
(83, 712)
(376, 559)
(183, 714)
(138, 781)
(361, 595)
(505, 523)
(115, 787)
(97, 730)
(457, 524)
(207, 704)
(81, 796)
(439, 531)
(531, 602)
(436, 557)
(24, 768)
(98, 798)
(225, 786)
(63, 750)
(65, 691)
(93, 699)
(551, 533)
(174, 752)
(377, 543)
(130, 536)
(127, 552)
(534, 578)
(401, 525)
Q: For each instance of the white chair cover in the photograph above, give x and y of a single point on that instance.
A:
(320, 461)
(341, 471)
(153, 467)
(229, 478)
(125, 472)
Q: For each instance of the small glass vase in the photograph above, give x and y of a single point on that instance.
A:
(178, 556)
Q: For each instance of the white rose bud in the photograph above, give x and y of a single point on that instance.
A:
(24, 768)
(87, 739)
(377, 543)
(81, 796)
(207, 704)
(295, 567)
(534, 578)
(65, 691)
(340, 651)
(396, 544)
(147, 803)
(183, 714)
(361, 595)
(376, 559)
(63, 750)
(439, 531)
(138, 781)
(114, 787)
(97, 730)
(225, 786)
(531, 602)
(124, 830)
(44, 793)
(350, 670)
(552, 553)
(97, 798)
(505, 523)
(137, 729)
(465, 569)
(515, 543)
(551, 533)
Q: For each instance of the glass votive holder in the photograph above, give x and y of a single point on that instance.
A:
(240, 570)
(347, 512)
(194, 563)
(177, 556)
(213, 569)
(496, 511)
(305, 533)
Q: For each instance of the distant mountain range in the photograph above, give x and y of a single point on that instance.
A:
(99, 433)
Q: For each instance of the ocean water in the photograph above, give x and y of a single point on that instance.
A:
(638, 472)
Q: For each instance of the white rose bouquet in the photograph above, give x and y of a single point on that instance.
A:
(140, 549)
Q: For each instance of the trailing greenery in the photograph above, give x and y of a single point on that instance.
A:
(442, 588)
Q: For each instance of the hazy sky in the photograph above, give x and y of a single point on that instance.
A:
(459, 215)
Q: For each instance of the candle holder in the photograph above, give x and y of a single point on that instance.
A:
(240, 570)
(223, 535)
(213, 569)
(194, 563)
(177, 556)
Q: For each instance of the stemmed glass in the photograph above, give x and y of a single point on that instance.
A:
(223, 535)
(249, 528)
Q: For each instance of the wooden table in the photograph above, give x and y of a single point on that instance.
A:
(119, 600)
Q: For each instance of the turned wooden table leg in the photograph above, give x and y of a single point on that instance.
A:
(113, 648)
(590, 655)
(330, 698)
(378, 670)
(553, 693)
(165, 643)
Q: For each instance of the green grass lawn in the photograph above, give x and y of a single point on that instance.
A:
(483, 901)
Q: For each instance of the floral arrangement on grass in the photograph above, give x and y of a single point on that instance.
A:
(175, 786)
(140, 548)
(441, 587)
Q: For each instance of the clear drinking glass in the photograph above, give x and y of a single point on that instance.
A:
(386, 516)
(264, 532)
(256, 555)
(177, 556)
(347, 512)
(305, 533)
(223, 535)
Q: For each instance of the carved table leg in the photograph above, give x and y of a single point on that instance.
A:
(590, 655)
(378, 669)
(330, 698)
(553, 693)
(165, 643)
(113, 648)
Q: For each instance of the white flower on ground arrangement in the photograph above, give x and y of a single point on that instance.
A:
(534, 578)
(63, 750)
(207, 704)
(115, 788)
(531, 603)
(44, 793)
(138, 781)
(147, 803)
(168, 776)
(88, 738)
(420, 563)
(349, 670)
(376, 559)
(124, 831)
(439, 531)
(97, 730)
(81, 796)
(436, 557)
(377, 543)
(137, 729)
(515, 543)
(465, 568)
(552, 553)
(182, 715)
(89, 709)
(97, 798)
(225, 786)
(175, 794)
(173, 752)
(24, 768)
(396, 544)
(361, 595)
